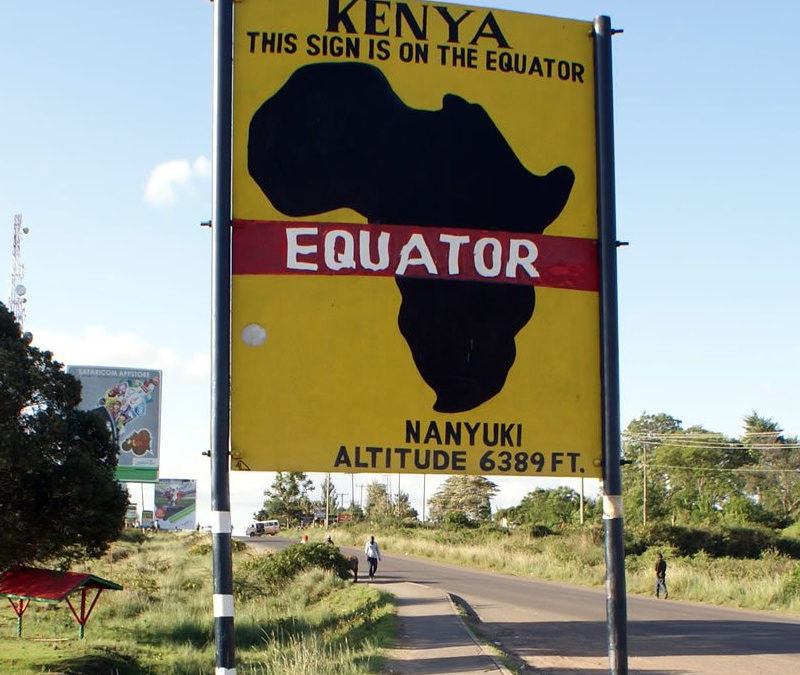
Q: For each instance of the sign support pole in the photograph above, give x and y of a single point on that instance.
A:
(616, 610)
(221, 338)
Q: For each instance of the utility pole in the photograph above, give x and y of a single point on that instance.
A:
(397, 501)
(582, 502)
(327, 500)
(423, 498)
(644, 484)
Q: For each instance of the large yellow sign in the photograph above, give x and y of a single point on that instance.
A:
(414, 247)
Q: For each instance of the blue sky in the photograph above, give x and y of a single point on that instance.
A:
(105, 135)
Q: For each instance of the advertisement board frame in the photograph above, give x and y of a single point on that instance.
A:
(128, 400)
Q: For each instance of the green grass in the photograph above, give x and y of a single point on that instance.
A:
(162, 622)
(576, 556)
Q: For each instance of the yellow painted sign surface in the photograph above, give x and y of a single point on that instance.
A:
(414, 243)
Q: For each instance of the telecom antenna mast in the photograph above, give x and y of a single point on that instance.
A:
(17, 299)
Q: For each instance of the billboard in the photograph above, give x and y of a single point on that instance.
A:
(129, 401)
(415, 283)
(175, 502)
(147, 519)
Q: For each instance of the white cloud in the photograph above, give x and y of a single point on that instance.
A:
(99, 346)
(173, 178)
(198, 366)
(202, 167)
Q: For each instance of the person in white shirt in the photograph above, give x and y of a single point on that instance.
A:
(373, 554)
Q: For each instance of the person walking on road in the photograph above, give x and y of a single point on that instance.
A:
(661, 576)
(373, 554)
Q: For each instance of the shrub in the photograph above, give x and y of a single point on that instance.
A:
(281, 567)
(791, 587)
(133, 536)
(742, 542)
(144, 582)
(200, 548)
(788, 546)
(458, 520)
(735, 542)
(636, 542)
(792, 532)
(191, 585)
(204, 547)
(540, 531)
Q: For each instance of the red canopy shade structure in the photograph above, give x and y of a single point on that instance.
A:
(23, 584)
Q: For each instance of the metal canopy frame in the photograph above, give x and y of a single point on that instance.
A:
(20, 585)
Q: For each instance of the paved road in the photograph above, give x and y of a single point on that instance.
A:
(561, 630)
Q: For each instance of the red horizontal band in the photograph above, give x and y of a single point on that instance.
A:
(366, 249)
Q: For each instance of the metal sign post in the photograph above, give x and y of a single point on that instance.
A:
(221, 340)
(612, 475)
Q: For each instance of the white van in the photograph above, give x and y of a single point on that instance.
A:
(260, 527)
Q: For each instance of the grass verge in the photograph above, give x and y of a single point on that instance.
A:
(162, 622)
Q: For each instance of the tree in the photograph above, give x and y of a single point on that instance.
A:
(698, 468)
(644, 490)
(59, 501)
(402, 507)
(287, 498)
(378, 504)
(777, 485)
(468, 495)
(381, 507)
(552, 508)
(329, 496)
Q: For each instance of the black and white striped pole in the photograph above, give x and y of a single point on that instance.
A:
(616, 608)
(221, 338)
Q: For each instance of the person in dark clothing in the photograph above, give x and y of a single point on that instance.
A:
(661, 576)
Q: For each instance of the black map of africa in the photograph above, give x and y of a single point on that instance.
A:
(336, 135)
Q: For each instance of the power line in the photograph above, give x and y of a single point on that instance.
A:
(705, 442)
(728, 446)
(716, 468)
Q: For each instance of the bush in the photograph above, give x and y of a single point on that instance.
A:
(457, 521)
(281, 567)
(200, 548)
(636, 540)
(537, 531)
(132, 536)
(238, 546)
(204, 547)
(791, 587)
(792, 532)
(741, 542)
(733, 542)
(788, 546)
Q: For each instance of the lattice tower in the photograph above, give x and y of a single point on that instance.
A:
(17, 299)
